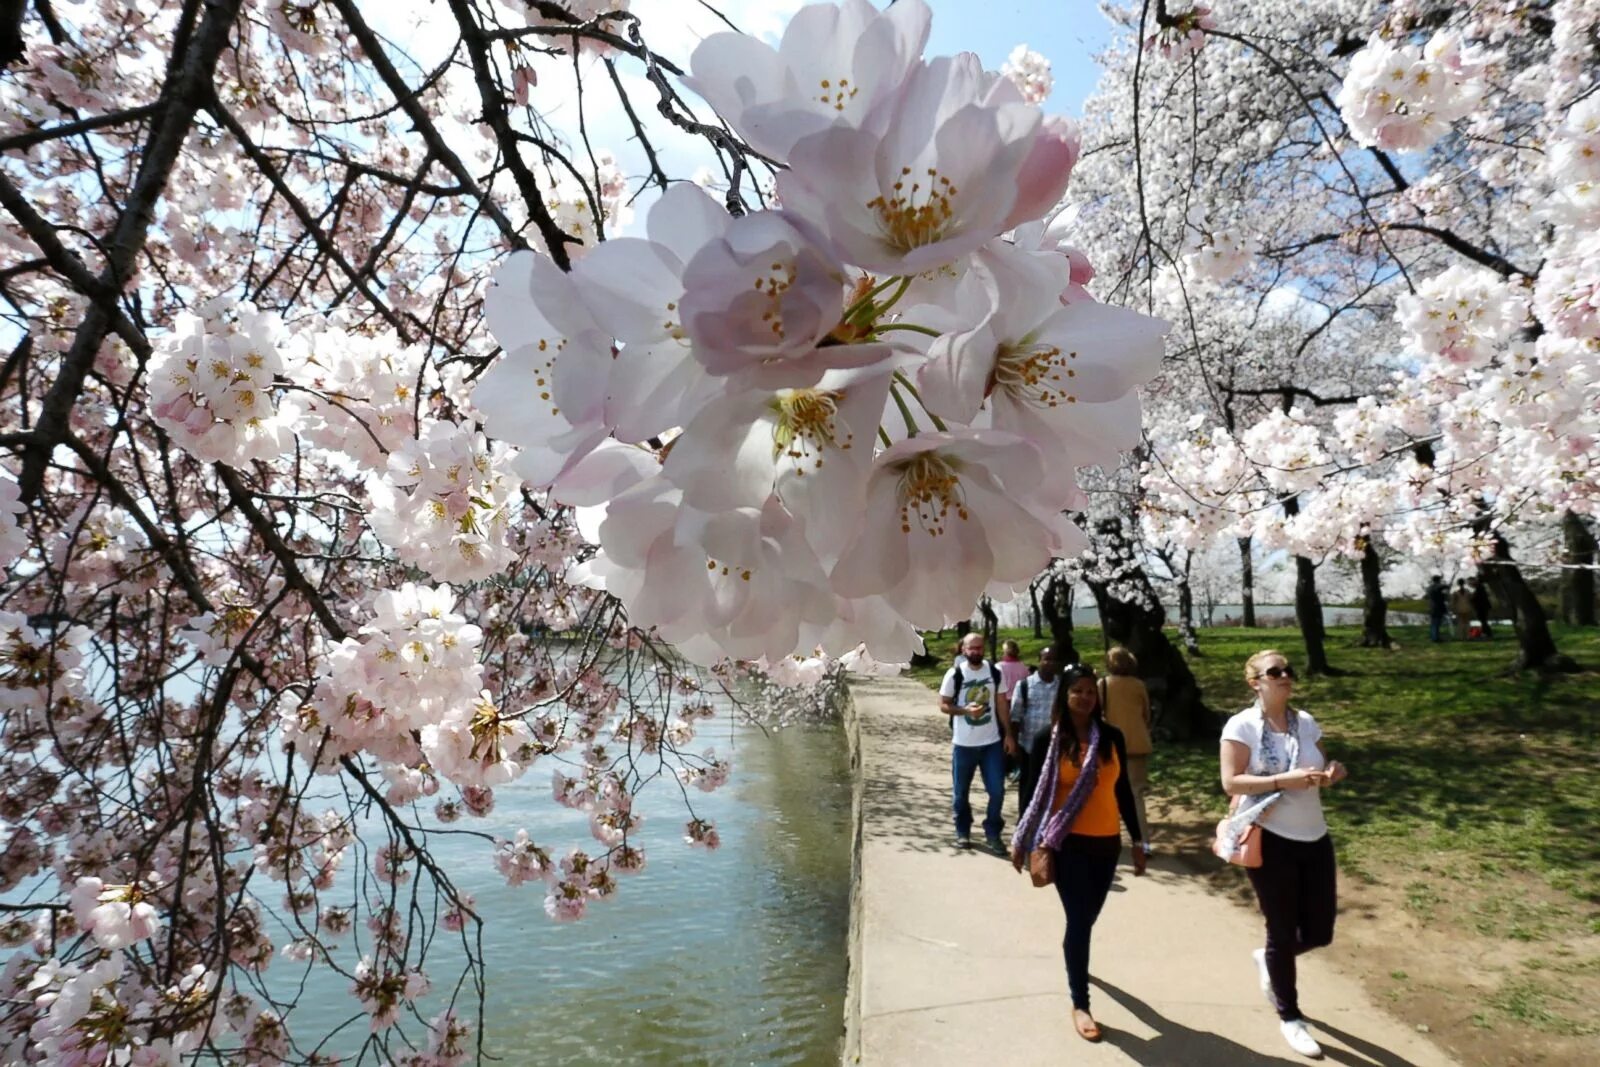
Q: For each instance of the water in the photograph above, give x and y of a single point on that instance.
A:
(731, 957)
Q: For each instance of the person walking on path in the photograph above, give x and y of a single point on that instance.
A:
(1012, 671)
(1481, 605)
(1079, 796)
(1437, 594)
(982, 738)
(1461, 608)
(1274, 762)
(1029, 707)
(1126, 703)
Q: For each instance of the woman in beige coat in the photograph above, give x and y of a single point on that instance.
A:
(1127, 707)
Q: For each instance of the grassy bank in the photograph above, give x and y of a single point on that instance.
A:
(1468, 832)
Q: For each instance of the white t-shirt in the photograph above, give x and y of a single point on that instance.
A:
(1297, 814)
(976, 686)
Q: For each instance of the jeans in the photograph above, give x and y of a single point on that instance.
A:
(1435, 624)
(1085, 867)
(1297, 887)
(990, 760)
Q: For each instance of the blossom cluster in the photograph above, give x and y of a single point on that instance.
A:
(782, 425)
(1404, 97)
(212, 385)
(1030, 73)
(1186, 34)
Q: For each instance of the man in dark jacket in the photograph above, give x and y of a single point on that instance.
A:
(1480, 605)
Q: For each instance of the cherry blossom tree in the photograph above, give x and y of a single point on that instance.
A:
(374, 432)
(1420, 176)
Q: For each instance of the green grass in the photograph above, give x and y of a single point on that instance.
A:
(1453, 762)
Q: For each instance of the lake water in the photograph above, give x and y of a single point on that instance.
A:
(732, 957)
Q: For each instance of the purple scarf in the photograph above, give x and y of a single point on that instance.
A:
(1036, 831)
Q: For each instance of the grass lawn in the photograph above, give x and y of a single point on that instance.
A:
(1468, 831)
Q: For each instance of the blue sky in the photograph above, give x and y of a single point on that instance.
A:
(1066, 32)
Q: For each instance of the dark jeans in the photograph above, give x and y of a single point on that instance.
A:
(1032, 760)
(1085, 867)
(1435, 625)
(1296, 885)
(990, 761)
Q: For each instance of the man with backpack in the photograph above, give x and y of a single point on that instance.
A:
(982, 737)
(1028, 710)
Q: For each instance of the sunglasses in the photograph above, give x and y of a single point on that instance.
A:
(1278, 672)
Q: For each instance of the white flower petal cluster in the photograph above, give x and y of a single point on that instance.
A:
(445, 503)
(1401, 97)
(414, 665)
(804, 429)
(1030, 73)
(1461, 315)
(361, 391)
(214, 385)
(1566, 297)
(13, 538)
(116, 915)
(1186, 35)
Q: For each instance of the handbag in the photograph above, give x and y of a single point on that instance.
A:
(1041, 867)
(1246, 851)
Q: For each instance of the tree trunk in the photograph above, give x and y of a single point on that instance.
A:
(1375, 609)
(1038, 620)
(1308, 606)
(1057, 607)
(1577, 580)
(991, 629)
(1308, 613)
(1191, 641)
(1247, 580)
(1536, 648)
(1175, 696)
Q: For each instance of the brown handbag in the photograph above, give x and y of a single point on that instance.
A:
(1041, 867)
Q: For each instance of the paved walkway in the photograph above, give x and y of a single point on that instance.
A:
(957, 960)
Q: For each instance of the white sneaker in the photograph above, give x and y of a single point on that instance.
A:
(1260, 956)
(1299, 1037)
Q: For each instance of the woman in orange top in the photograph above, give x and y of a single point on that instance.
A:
(1086, 841)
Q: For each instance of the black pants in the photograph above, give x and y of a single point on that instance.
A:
(1085, 867)
(1296, 885)
(1032, 761)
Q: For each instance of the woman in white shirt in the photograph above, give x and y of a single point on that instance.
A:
(1273, 758)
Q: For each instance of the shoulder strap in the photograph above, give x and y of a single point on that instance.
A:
(994, 675)
(1022, 693)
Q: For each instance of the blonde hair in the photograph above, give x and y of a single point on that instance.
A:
(1010, 647)
(1252, 666)
(1120, 661)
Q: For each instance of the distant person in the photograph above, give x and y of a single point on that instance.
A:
(1481, 606)
(1438, 596)
(1074, 813)
(1029, 707)
(1012, 669)
(1126, 704)
(982, 737)
(1461, 608)
(1273, 760)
